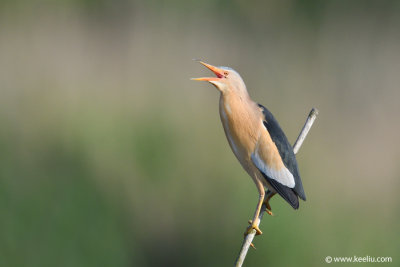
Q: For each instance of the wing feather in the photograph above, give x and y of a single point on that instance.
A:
(276, 161)
(280, 174)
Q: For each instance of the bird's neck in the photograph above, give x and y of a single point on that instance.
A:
(238, 109)
(239, 117)
(238, 100)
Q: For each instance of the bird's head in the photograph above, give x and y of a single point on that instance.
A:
(226, 80)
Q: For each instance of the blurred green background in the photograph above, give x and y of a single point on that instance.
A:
(111, 156)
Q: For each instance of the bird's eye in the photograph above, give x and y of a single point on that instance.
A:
(226, 73)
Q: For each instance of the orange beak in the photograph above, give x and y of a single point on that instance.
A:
(217, 71)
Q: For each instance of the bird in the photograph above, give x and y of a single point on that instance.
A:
(258, 142)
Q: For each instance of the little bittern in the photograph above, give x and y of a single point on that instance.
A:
(257, 141)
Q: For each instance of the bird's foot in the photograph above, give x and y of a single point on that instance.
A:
(268, 207)
(251, 227)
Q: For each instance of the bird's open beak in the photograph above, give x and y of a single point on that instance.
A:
(217, 71)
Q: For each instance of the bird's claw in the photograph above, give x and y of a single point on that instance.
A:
(269, 212)
(251, 244)
(268, 208)
(251, 227)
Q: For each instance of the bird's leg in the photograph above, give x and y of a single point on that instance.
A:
(254, 222)
(268, 196)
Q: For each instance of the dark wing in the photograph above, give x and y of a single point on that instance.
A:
(288, 158)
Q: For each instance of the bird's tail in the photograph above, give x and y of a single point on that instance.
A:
(286, 193)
